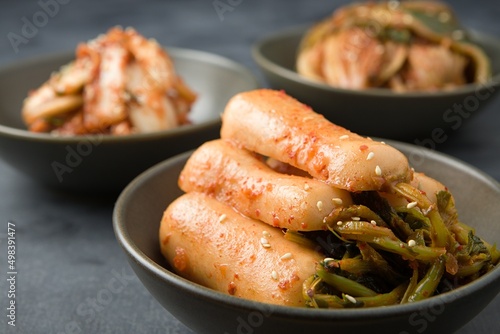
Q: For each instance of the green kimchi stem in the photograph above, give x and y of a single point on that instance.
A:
(360, 211)
(471, 269)
(379, 264)
(328, 301)
(384, 299)
(300, 239)
(383, 238)
(462, 231)
(411, 286)
(345, 285)
(355, 266)
(428, 284)
(440, 234)
(422, 253)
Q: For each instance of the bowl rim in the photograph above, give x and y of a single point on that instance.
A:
(136, 255)
(187, 129)
(299, 30)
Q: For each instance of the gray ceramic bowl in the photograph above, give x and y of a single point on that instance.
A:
(100, 162)
(376, 112)
(136, 220)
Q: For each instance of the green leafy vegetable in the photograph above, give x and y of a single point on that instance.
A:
(380, 255)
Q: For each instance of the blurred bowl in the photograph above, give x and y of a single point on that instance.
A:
(99, 162)
(136, 220)
(377, 112)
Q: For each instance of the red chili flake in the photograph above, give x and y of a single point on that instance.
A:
(166, 239)
(284, 284)
(180, 259)
(231, 288)
(276, 219)
(363, 147)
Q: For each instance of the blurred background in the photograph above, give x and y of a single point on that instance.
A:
(225, 27)
(201, 24)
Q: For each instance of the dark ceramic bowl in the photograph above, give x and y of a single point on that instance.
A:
(136, 220)
(101, 162)
(377, 112)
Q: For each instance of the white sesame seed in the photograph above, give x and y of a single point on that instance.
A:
(411, 243)
(355, 218)
(286, 256)
(306, 187)
(378, 171)
(337, 201)
(411, 205)
(370, 156)
(328, 259)
(426, 211)
(319, 204)
(374, 223)
(222, 217)
(266, 234)
(382, 142)
(350, 298)
(274, 275)
(344, 137)
(265, 243)
(339, 223)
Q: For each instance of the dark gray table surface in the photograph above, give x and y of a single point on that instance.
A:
(72, 275)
